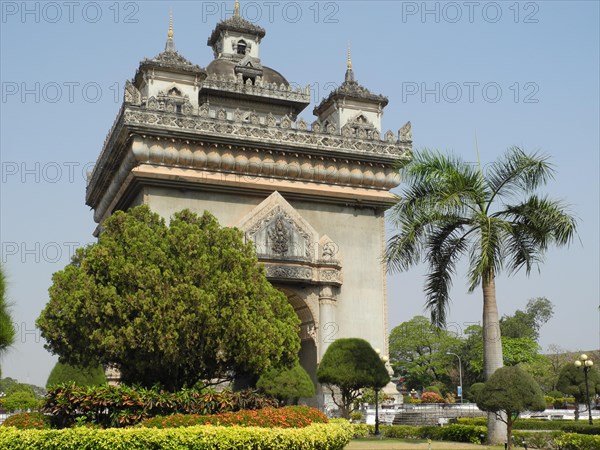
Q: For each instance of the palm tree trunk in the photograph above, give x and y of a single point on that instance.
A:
(492, 351)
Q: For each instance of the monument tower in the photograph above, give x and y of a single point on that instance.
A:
(227, 139)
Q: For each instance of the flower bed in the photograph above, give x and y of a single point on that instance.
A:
(288, 417)
(28, 421)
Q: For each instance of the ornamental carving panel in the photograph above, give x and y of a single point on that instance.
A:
(289, 272)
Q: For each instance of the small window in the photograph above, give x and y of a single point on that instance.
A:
(241, 47)
(174, 92)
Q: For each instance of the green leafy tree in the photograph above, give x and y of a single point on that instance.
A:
(7, 328)
(528, 323)
(287, 385)
(81, 376)
(508, 392)
(351, 365)
(451, 208)
(169, 304)
(418, 352)
(20, 401)
(571, 382)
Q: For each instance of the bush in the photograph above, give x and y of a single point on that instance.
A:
(117, 406)
(540, 440)
(433, 389)
(331, 436)
(555, 394)
(431, 397)
(21, 401)
(65, 373)
(28, 421)
(568, 426)
(356, 416)
(457, 433)
(572, 441)
(287, 384)
(288, 417)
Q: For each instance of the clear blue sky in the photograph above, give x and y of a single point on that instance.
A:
(501, 73)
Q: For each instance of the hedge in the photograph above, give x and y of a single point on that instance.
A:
(569, 426)
(573, 441)
(332, 436)
(456, 433)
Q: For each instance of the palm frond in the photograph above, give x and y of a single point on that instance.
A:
(486, 259)
(446, 245)
(536, 224)
(518, 172)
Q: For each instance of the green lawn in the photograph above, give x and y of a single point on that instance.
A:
(372, 443)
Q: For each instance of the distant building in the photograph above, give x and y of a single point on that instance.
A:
(311, 197)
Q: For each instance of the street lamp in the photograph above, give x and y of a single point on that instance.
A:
(459, 375)
(384, 359)
(587, 364)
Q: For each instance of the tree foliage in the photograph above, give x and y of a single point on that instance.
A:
(7, 328)
(571, 381)
(20, 401)
(418, 352)
(287, 385)
(81, 376)
(508, 392)
(169, 304)
(528, 323)
(350, 365)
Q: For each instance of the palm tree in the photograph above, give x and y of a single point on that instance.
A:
(450, 208)
(7, 329)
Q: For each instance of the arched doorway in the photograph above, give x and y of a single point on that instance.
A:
(307, 333)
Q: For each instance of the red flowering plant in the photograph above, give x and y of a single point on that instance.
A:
(431, 397)
(287, 417)
(28, 421)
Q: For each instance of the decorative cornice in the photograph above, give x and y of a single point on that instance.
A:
(249, 149)
(268, 90)
(278, 272)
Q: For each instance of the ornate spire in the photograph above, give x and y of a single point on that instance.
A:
(349, 58)
(236, 9)
(170, 45)
(349, 71)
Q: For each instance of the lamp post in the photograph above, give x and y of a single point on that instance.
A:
(587, 364)
(459, 374)
(384, 359)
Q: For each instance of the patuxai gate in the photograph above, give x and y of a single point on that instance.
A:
(312, 197)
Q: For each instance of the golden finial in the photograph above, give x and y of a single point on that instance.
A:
(170, 35)
(349, 58)
(236, 9)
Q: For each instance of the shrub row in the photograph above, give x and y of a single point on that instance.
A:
(568, 426)
(287, 417)
(332, 436)
(573, 441)
(558, 440)
(118, 406)
(457, 433)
